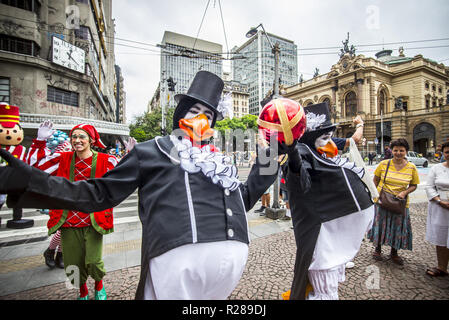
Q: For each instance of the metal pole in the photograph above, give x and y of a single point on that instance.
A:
(276, 51)
(381, 132)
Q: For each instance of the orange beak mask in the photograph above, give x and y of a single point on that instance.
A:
(197, 128)
(330, 149)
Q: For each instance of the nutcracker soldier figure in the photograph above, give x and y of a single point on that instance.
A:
(11, 137)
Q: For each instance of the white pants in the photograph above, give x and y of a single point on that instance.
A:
(200, 271)
(338, 243)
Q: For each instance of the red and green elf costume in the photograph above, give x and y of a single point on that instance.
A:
(82, 233)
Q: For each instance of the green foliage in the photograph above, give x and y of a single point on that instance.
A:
(246, 122)
(148, 125)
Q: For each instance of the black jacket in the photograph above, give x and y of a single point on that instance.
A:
(175, 207)
(334, 192)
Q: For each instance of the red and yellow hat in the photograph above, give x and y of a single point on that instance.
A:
(9, 115)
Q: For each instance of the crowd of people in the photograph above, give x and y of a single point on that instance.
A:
(192, 204)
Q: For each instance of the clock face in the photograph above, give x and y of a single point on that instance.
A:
(67, 55)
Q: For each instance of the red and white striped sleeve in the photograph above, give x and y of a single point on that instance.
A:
(39, 156)
(112, 162)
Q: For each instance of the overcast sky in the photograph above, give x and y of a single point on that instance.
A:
(310, 24)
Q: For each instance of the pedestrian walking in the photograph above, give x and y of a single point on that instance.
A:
(399, 177)
(81, 232)
(437, 227)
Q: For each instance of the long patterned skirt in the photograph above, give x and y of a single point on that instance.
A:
(391, 229)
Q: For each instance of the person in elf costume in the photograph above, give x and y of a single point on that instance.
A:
(81, 232)
(331, 209)
(192, 205)
(11, 137)
(51, 260)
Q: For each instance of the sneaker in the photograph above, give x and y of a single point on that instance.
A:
(84, 298)
(100, 295)
(350, 265)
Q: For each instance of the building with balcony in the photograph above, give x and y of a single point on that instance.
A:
(57, 62)
(397, 96)
(253, 64)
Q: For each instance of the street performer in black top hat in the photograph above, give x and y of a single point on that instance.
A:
(331, 209)
(192, 205)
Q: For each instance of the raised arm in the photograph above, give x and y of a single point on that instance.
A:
(28, 187)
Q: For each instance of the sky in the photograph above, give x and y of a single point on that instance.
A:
(317, 27)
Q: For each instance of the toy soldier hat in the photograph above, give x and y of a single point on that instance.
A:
(9, 115)
(284, 117)
(206, 88)
(318, 118)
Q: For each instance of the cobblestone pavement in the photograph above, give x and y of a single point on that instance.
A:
(269, 273)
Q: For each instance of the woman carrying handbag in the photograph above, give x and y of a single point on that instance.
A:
(401, 179)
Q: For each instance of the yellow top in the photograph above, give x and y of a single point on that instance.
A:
(397, 181)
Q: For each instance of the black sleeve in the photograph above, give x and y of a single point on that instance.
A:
(301, 181)
(45, 191)
(260, 178)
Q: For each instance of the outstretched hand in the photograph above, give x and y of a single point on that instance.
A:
(15, 176)
(45, 130)
(129, 145)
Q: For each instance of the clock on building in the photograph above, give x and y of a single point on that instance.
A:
(67, 55)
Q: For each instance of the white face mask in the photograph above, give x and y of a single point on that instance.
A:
(324, 139)
(197, 109)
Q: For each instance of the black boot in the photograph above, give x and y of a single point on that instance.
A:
(49, 256)
(59, 261)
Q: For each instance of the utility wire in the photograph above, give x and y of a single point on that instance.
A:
(224, 30)
(198, 33)
(238, 53)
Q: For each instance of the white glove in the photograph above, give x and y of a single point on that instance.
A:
(130, 144)
(45, 130)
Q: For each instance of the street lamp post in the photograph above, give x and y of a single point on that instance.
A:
(275, 212)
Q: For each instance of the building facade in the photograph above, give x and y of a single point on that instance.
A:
(253, 64)
(181, 58)
(239, 94)
(57, 62)
(397, 96)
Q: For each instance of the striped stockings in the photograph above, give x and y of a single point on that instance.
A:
(56, 241)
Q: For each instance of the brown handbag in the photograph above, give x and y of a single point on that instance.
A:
(389, 201)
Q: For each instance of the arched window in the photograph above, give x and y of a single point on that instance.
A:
(350, 104)
(382, 102)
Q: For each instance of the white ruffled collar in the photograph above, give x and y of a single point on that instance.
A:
(345, 163)
(214, 165)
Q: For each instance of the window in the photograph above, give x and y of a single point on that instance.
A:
(17, 45)
(62, 96)
(4, 90)
(427, 103)
(29, 5)
(427, 86)
(382, 102)
(82, 32)
(350, 104)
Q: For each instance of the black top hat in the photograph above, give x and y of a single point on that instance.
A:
(206, 88)
(318, 118)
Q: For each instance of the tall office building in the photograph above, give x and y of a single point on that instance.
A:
(254, 65)
(181, 58)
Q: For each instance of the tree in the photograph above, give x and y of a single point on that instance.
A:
(148, 125)
(248, 121)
